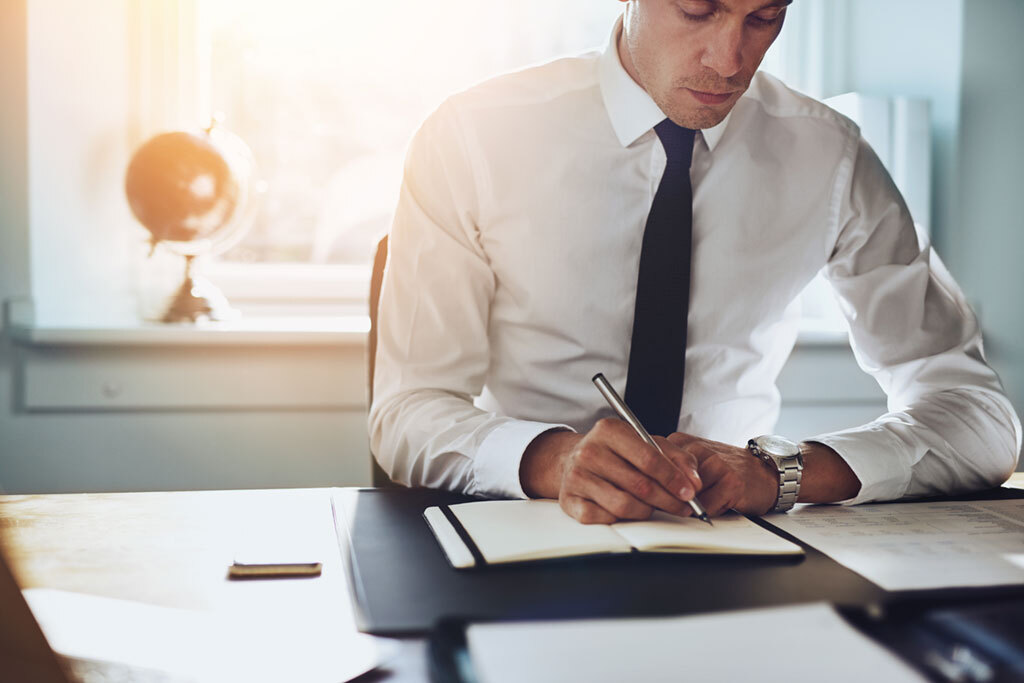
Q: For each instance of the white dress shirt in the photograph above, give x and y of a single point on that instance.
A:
(513, 269)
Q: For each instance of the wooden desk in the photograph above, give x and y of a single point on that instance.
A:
(173, 549)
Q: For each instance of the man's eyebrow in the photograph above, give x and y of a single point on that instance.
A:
(768, 5)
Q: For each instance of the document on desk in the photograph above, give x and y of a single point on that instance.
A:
(915, 546)
(202, 646)
(693, 648)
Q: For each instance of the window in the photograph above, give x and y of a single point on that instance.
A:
(810, 53)
(327, 94)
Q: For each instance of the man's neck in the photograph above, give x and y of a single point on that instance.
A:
(624, 56)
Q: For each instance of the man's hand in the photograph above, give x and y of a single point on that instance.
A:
(609, 474)
(733, 478)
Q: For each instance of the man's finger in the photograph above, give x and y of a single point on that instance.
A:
(623, 475)
(619, 503)
(680, 439)
(621, 439)
(682, 460)
(692, 446)
(723, 488)
(585, 511)
(719, 497)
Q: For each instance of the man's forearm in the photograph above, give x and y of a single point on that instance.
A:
(826, 478)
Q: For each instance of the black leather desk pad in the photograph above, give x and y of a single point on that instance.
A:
(402, 583)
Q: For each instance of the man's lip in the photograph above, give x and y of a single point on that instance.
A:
(710, 97)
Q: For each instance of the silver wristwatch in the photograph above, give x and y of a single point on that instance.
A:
(784, 456)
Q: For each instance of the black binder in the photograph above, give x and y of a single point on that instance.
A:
(402, 583)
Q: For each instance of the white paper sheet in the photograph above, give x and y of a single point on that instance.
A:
(909, 546)
(728, 647)
(199, 645)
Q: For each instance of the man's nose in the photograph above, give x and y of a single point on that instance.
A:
(724, 52)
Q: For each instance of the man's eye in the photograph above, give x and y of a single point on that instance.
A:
(766, 20)
(701, 12)
(696, 17)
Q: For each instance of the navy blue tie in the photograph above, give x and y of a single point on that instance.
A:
(657, 355)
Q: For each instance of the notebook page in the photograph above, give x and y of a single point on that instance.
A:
(731, 534)
(518, 530)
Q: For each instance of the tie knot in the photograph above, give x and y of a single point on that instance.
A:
(677, 141)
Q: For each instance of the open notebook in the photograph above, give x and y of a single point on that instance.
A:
(501, 531)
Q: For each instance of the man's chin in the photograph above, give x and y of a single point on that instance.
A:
(688, 114)
(699, 120)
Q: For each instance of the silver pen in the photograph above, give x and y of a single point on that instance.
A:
(620, 407)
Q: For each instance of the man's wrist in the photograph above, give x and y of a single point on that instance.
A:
(827, 478)
(540, 470)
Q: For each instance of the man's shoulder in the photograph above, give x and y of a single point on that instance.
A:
(784, 104)
(533, 86)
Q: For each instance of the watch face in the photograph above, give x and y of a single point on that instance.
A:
(778, 446)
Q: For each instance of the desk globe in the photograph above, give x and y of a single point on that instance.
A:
(192, 192)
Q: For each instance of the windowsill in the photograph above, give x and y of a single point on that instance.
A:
(339, 330)
(313, 330)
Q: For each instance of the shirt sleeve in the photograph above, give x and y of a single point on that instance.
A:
(950, 427)
(433, 352)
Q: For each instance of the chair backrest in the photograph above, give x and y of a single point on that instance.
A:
(380, 259)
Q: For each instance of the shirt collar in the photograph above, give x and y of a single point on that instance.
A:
(714, 134)
(630, 108)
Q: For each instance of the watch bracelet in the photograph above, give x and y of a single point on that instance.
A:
(790, 478)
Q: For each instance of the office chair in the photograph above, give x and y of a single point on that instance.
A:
(380, 478)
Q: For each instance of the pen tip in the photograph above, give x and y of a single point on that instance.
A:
(707, 519)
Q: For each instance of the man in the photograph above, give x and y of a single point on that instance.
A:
(652, 213)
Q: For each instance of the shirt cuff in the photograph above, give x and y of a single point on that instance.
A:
(878, 458)
(496, 465)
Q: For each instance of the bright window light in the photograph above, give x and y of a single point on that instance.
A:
(327, 93)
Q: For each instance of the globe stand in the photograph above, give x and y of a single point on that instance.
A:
(197, 299)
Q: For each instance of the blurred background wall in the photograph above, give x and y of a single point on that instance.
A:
(108, 412)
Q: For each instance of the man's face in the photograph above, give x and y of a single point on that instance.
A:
(696, 57)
